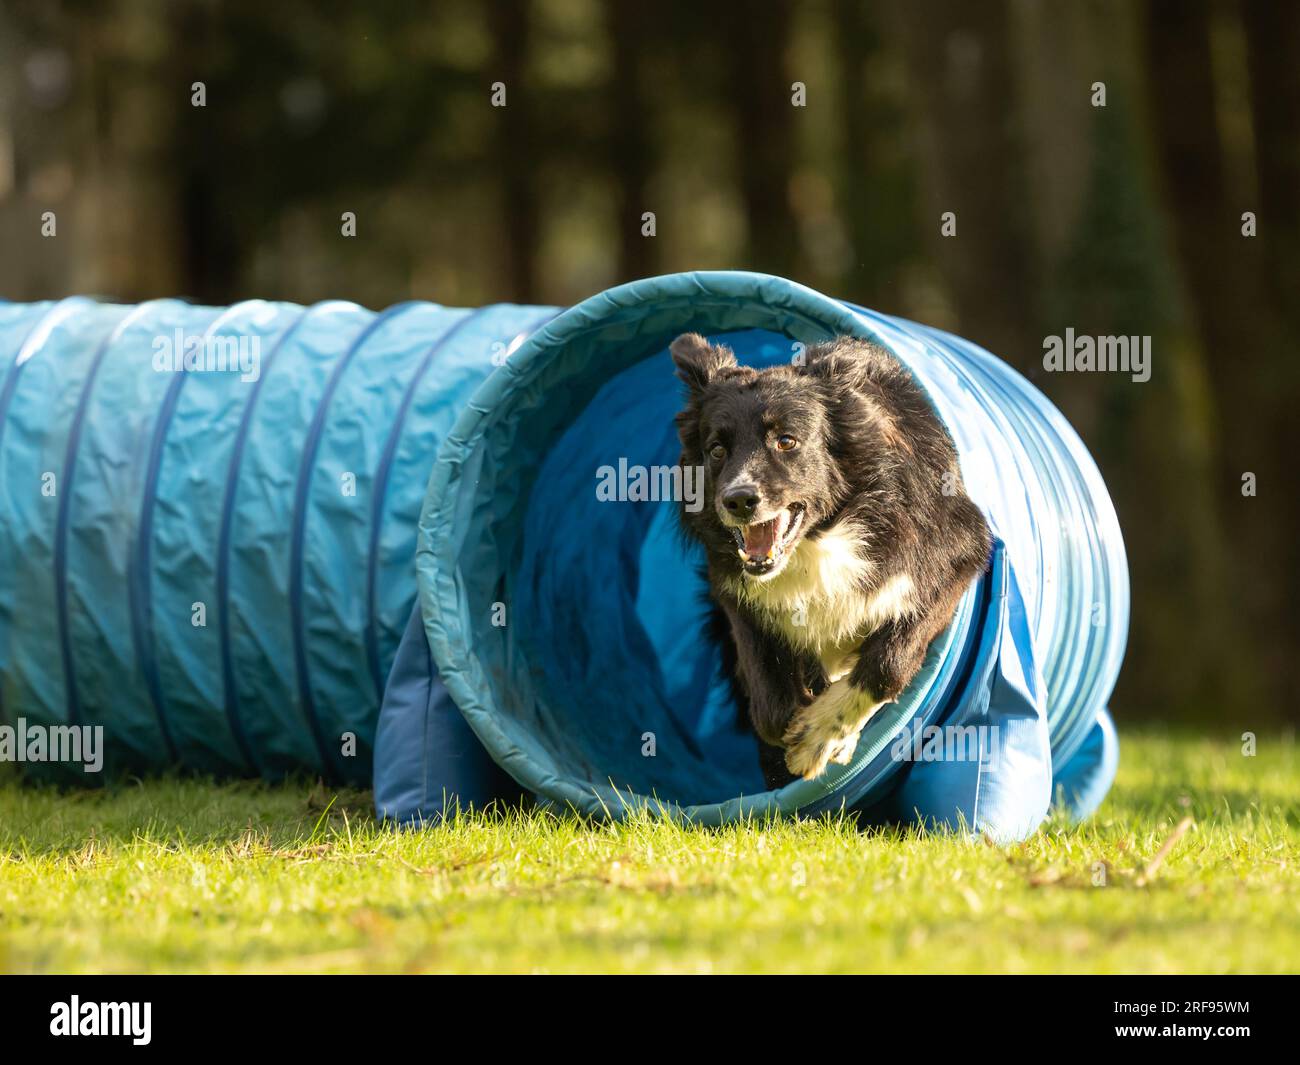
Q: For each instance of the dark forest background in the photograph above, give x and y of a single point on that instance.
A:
(1123, 219)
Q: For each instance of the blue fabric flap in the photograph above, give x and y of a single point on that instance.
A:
(986, 765)
(427, 759)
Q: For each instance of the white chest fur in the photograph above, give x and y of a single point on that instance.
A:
(822, 600)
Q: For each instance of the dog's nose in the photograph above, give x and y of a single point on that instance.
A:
(741, 502)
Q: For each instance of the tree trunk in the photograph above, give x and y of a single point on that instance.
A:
(764, 115)
(631, 27)
(960, 77)
(516, 159)
(1244, 344)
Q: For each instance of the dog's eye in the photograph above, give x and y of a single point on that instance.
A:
(717, 452)
(786, 442)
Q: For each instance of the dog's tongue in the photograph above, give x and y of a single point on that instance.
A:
(761, 538)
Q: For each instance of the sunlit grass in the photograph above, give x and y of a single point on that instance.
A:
(183, 875)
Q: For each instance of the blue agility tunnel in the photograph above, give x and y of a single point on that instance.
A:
(267, 539)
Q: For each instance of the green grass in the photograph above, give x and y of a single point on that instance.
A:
(182, 875)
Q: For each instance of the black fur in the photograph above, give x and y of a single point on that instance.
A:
(867, 449)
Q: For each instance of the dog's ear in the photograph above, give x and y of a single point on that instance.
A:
(698, 361)
(853, 362)
(829, 361)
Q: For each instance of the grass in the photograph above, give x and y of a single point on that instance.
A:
(184, 875)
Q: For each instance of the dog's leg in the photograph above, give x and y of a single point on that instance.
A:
(774, 679)
(828, 730)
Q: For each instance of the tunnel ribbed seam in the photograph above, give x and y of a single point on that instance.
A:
(383, 470)
(66, 478)
(311, 447)
(230, 691)
(379, 490)
(47, 322)
(139, 584)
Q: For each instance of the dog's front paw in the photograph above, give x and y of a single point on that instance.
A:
(828, 730)
(808, 754)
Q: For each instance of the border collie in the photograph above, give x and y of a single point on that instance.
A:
(838, 534)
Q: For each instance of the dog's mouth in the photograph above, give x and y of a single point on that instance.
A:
(763, 545)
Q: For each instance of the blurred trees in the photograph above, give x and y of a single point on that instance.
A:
(1124, 219)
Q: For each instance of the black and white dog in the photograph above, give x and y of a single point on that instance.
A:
(838, 533)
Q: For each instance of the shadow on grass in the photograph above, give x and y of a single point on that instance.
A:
(49, 818)
(1166, 776)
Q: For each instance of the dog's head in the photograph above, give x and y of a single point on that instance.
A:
(765, 441)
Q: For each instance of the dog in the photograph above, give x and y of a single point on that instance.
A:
(838, 535)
